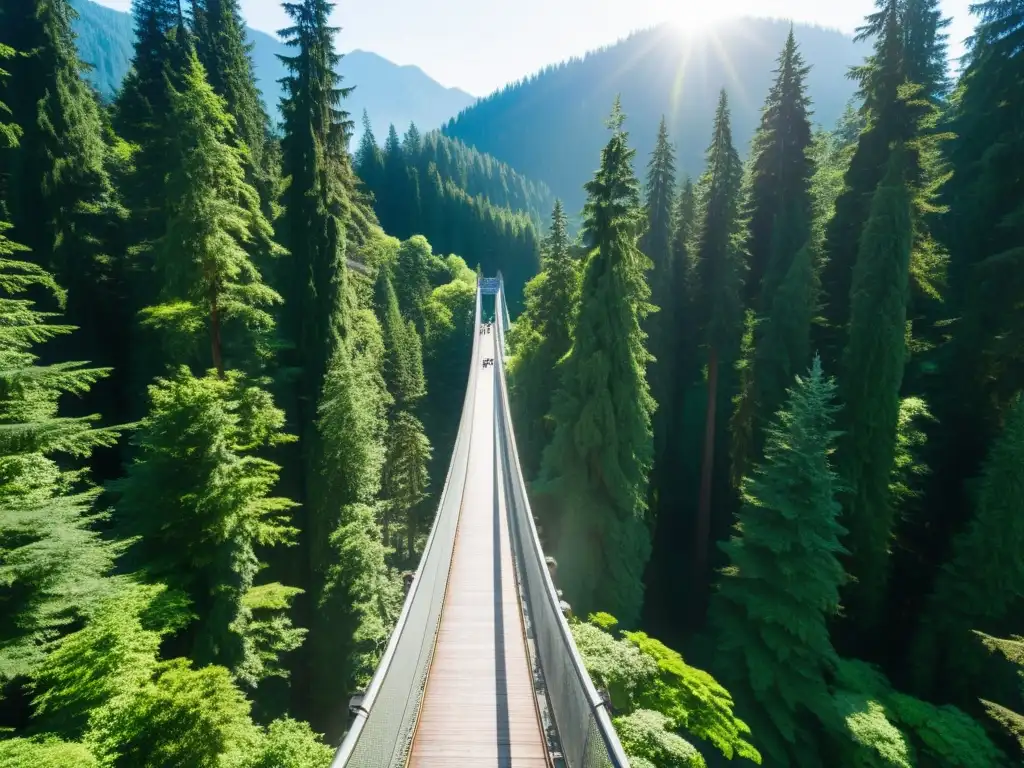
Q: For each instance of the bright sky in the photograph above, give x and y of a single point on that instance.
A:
(479, 45)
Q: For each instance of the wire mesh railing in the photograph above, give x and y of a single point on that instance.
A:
(382, 728)
(585, 731)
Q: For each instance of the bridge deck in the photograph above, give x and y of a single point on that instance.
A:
(479, 706)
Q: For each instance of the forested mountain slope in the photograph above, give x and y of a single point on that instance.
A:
(461, 200)
(550, 126)
(390, 93)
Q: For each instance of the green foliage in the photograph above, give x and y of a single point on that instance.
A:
(693, 700)
(539, 338)
(980, 585)
(52, 559)
(882, 727)
(460, 200)
(45, 752)
(873, 365)
(643, 677)
(200, 535)
(209, 282)
(597, 463)
(290, 744)
(1013, 650)
(646, 735)
(782, 582)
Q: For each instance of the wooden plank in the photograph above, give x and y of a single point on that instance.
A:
(479, 706)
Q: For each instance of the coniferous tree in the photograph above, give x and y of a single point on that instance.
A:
(356, 600)
(369, 159)
(405, 477)
(873, 364)
(779, 204)
(540, 337)
(143, 108)
(980, 586)
(59, 194)
(313, 228)
(657, 244)
(981, 368)
(220, 41)
(200, 534)
(782, 584)
(209, 280)
(779, 212)
(897, 109)
(599, 457)
(718, 282)
(54, 558)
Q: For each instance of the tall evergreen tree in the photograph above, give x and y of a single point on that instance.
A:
(226, 56)
(779, 212)
(873, 364)
(599, 457)
(369, 159)
(355, 600)
(782, 584)
(54, 557)
(56, 183)
(897, 109)
(718, 282)
(981, 585)
(540, 337)
(316, 162)
(779, 203)
(200, 534)
(208, 279)
(657, 245)
(981, 369)
(405, 477)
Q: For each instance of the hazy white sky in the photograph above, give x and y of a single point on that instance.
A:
(479, 45)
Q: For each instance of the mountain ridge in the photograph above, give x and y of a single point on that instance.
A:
(391, 93)
(656, 71)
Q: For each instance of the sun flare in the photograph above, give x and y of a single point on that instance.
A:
(696, 16)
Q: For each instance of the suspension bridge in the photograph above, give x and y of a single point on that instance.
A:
(481, 669)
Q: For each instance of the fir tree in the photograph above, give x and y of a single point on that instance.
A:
(599, 457)
(540, 337)
(897, 109)
(779, 204)
(779, 212)
(200, 534)
(369, 159)
(873, 364)
(59, 194)
(313, 228)
(209, 281)
(657, 245)
(355, 599)
(782, 583)
(54, 557)
(221, 44)
(718, 281)
(981, 584)
(405, 477)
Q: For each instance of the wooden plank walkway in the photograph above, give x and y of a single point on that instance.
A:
(479, 706)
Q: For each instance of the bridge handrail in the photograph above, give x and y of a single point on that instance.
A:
(387, 746)
(588, 739)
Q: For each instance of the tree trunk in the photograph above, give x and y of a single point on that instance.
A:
(215, 344)
(707, 469)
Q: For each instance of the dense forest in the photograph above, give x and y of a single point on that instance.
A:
(771, 415)
(656, 73)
